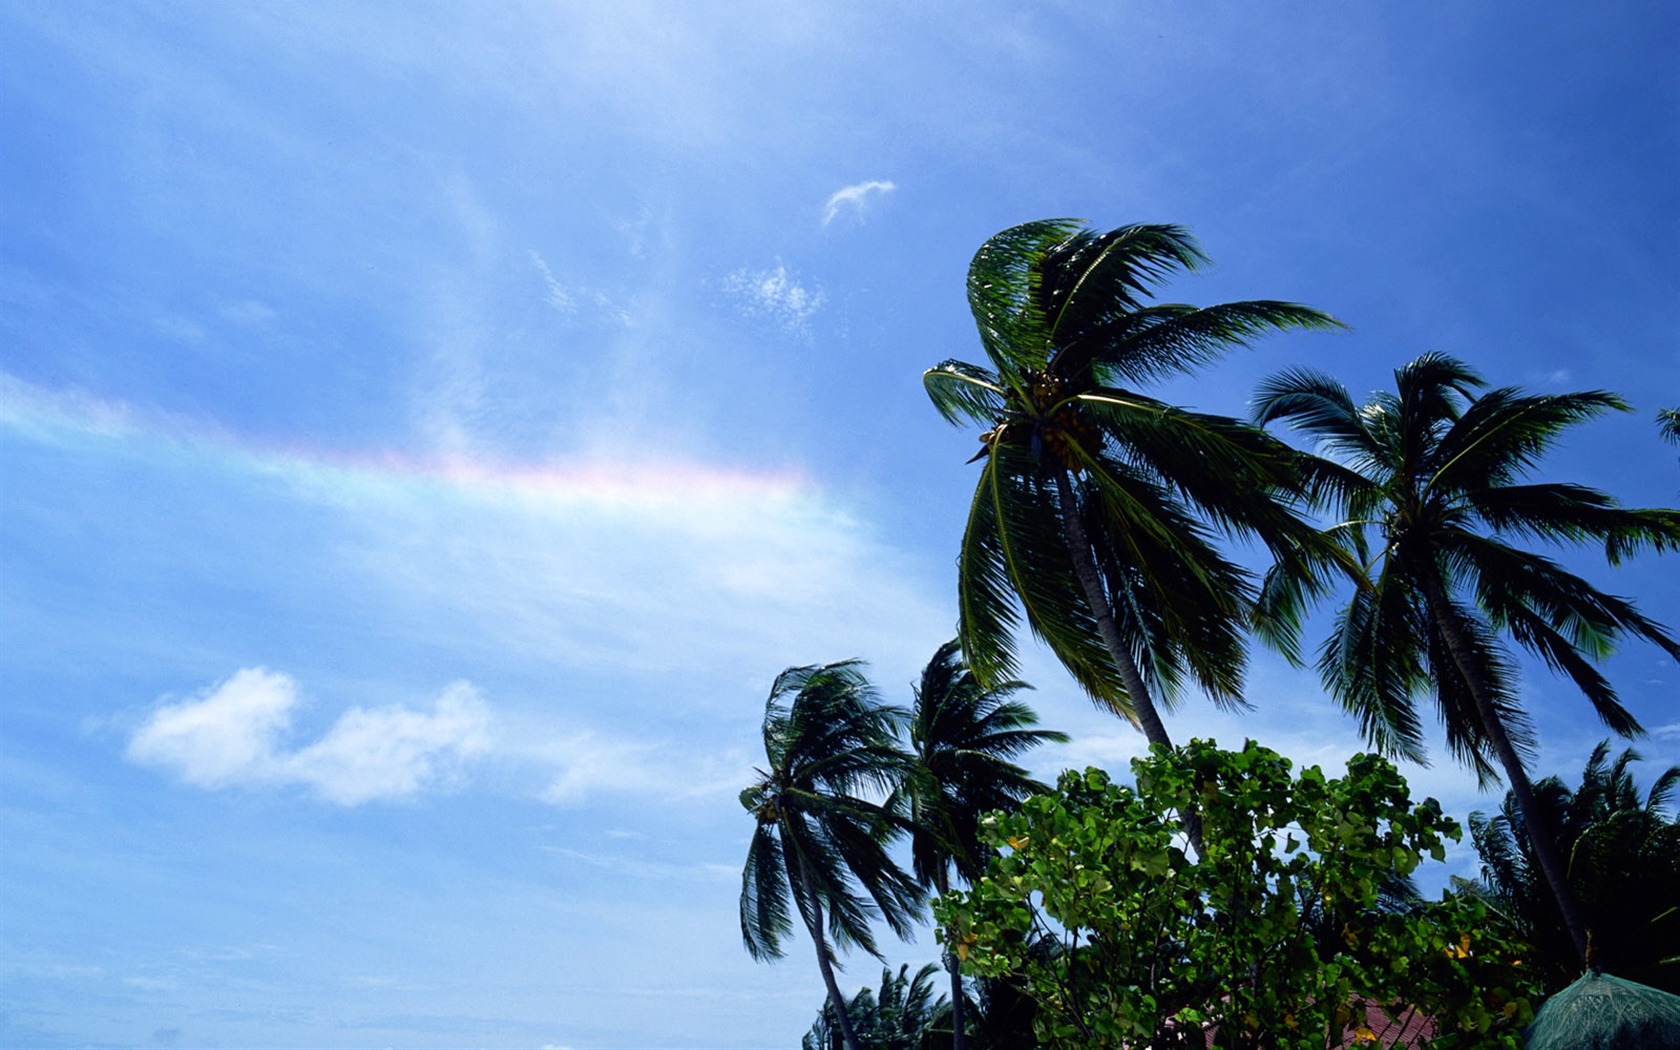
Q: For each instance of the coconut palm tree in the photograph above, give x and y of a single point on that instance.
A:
(1429, 483)
(1668, 424)
(904, 1015)
(1623, 864)
(821, 838)
(1097, 507)
(963, 737)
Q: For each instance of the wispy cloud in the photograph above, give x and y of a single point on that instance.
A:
(235, 735)
(853, 198)
(558, 297)
(775, 295)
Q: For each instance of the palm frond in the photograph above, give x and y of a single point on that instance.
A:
(764, 894)
(965, 393)
(1668, 424)
(1003, 293)
(1569, 513)
(1371, 665)
(1502, 435)
(1511, 582)
(1033, 552)
(986, 611)
(1089, 275)
(1136, 345)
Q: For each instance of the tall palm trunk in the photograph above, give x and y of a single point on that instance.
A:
(1085, 568)
(815, 926)
(959, 1021)
(1143, 705)
(959, 1037)
(1540, 836)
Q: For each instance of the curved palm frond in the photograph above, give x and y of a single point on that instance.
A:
(1003, 293)
(1169, 339)
(1668, 424)
(962, 391)
(1503, 433)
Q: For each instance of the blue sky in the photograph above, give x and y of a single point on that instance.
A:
(426, 429)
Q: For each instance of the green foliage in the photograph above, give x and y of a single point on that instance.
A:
(1277, 937)
(1623, 866)
(904, 1015)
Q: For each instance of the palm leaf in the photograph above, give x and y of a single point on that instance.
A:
(963, 392)
(1003, 284)
(1150, 343)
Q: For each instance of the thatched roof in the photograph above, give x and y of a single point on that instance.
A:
(1601, 1012)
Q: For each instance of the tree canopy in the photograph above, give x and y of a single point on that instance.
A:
(1279, 936)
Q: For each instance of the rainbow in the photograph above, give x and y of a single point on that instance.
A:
(59, 416)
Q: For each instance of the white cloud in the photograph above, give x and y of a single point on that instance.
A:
(853, 197)
(393, 752)
(234, 734)
(776, 295)
(229, 736)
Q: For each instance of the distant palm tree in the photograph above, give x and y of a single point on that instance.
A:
(821, 839)
(1668, 424)
(904, 1015)
(1096, 506)
(962, 739)
(1623, 864)
(1432, 473)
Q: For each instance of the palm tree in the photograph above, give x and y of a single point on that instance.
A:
(1668, 424)
(819, 841)
(904, 1015)
(1434, 473)
(1624, 867)
(962, 738)
(1097, 506)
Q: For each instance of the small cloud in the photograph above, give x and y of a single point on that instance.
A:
(1560, 377)
(557, 296)
(234, 734)
(775, 294)
(229, 736)
(853, 197)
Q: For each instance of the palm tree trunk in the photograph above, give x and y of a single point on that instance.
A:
(1143, 705)
(827, 968)
(1085, 568)
(959, 1037)
(1541, 837)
